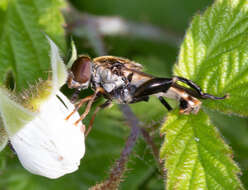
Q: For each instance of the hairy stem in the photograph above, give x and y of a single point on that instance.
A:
(155, 151)
(119, 168)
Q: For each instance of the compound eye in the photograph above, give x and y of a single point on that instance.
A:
(81, 69)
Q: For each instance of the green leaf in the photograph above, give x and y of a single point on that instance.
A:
(196, 157)
(214, 55)
(24, 48)
(235, 131)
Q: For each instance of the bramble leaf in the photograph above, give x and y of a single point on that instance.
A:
(214, 55)
(196, 157)
(24, 49)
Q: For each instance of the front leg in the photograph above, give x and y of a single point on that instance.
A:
(75, 96)
(88, 107)
(86, 99)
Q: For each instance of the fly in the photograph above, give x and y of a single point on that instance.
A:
(121, 80)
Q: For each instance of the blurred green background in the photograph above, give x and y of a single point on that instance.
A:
(105, 142)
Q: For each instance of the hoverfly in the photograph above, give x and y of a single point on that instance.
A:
(122, 80)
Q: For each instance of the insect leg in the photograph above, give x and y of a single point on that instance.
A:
(86, 99)
(139, 99)
(89, 105)
(163, 101)
(146, 98)
(154, 86)
(199, 90)
(98, 108)
(75, 96)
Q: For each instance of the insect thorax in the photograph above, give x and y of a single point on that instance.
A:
(115, 85)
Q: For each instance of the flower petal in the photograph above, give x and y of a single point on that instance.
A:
(49, 145)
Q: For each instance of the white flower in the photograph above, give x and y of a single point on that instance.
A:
(45, 142)
(49, 145)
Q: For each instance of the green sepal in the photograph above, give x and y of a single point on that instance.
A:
(14, 115)
(3, 136)
(73, 55)
(59, 71)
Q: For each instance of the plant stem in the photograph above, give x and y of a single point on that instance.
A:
(155, 151)
(119, 167)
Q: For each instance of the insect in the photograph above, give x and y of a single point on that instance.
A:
(121, 80)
